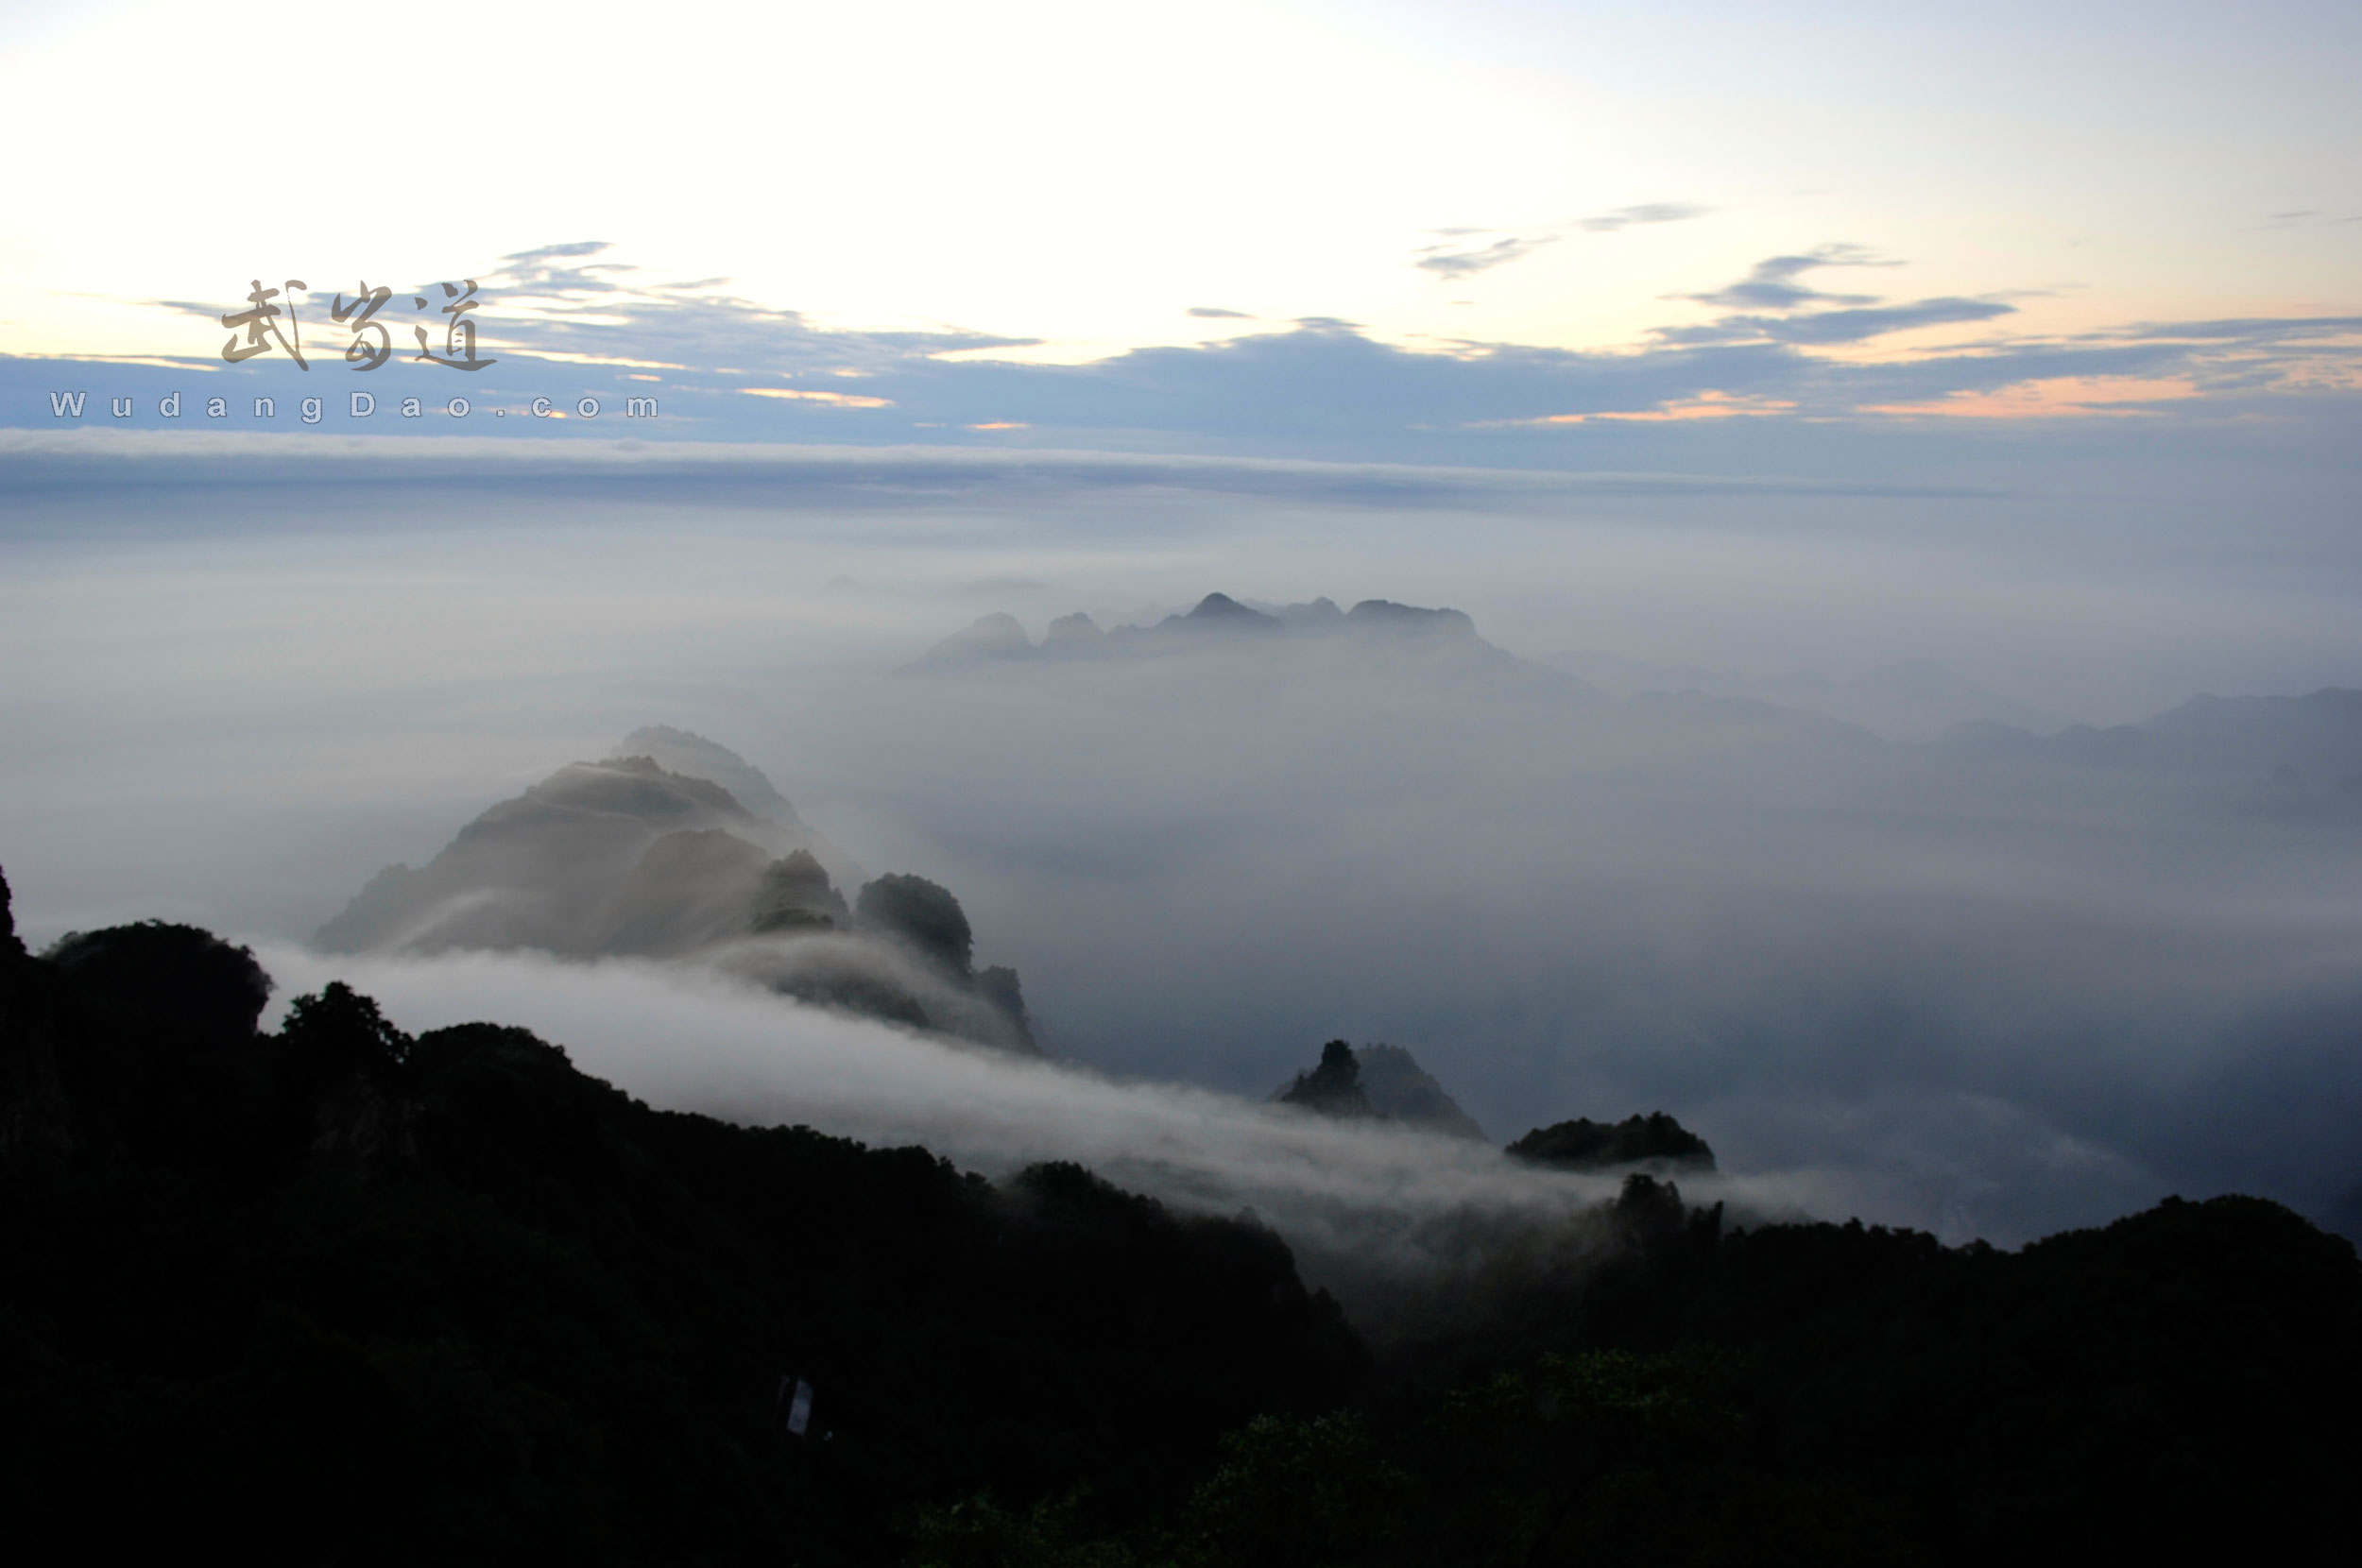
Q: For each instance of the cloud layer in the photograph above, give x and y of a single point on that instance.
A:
(568, 324)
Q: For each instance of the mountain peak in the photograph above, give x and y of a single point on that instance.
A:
(679, 752)
(994, 635)
(1220, 610)
(1372, 614)
(1333, 1088)
(1655, 1139)
(1380, 1080)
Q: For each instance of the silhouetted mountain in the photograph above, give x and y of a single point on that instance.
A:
(627, 858)
(1218, 622)
(921, 914)
(1401, 1090)
(1655, 1139)
(1382, 1081)
(1333, 1088)
(1813, 1394)
(1220, 613)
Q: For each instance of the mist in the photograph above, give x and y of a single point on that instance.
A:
(2022, 999)
(1966, 990)
(1381, 1213)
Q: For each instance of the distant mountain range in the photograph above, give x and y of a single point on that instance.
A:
(2294, 742)
(1376, 641)
(1217, 622)
(2307, 742)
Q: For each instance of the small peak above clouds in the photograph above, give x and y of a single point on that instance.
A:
(677, 751)
(1220, 610)
(688, 756)
(1655, 1141)
(1403, 1091)
(989, 636)
(1331, 1089)
(542, 870)
(1382, 1082)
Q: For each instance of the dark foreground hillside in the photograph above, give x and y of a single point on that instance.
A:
(341, 1295)
(2182, 1386)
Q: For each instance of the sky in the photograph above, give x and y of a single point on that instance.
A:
(1557, 213)
(1824, 355)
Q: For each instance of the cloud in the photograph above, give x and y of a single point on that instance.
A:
(1204, 870)
(47, 462)
(834, 400)
(1853, 325)
(1213, 312)
(2252, 331)
(2052, 395)
(1372, 1211)
(1320, 390)
(535, 272)
(2305, 217)
(1772, 284)
(1368, 1208)
(1451, 263)
(1316, 387)
(1882, 979)
(1650, 211)
(612, 313)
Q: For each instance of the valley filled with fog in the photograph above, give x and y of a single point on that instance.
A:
(1701, 804)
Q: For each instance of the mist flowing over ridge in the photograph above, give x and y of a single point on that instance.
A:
(627, 856)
